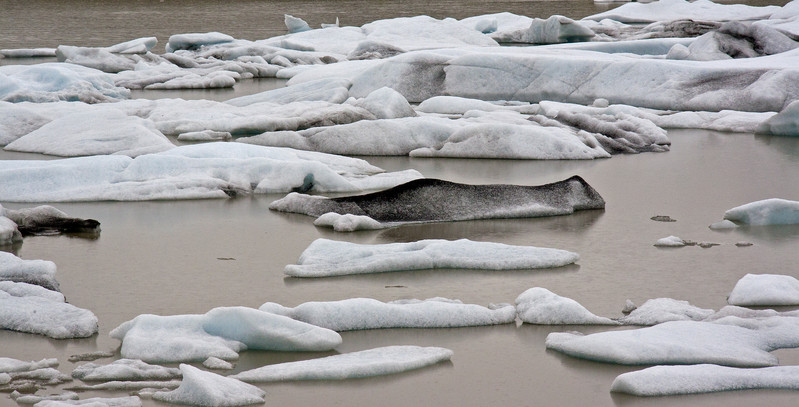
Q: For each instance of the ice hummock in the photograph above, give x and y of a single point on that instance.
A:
(367, 363)
(221, 332)
(772, 211)
(704, 378)
(50, 82)
(540, 306)
(33, 309)
(659, 310)
(765, 290)
(36, 272)
(200, 388)
(325, 258)
(367, 313)
(124, 369)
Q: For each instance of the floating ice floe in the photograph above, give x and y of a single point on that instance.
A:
(784, 123)
(335, 90)
(367, 313)
(765, 290)
(667, 10)
(33, 399)
(36, 272)
(50, 82)
(9, 233)
(33, 309)
(216, 363)
(670, 241)
(124, 369)
(196, 40)
(431, 200)
(723, 225)
(221, 332)
(729, 340)
(205, 135)
(704, 378)
(10, 365)
(47, 220)
(130, 401)
(325, 258)
(348, 222)
(201, 388)
(368, 363)
(27, 52)
(659, 310)
(541, 306)
(211, 170)
(127, 385)
(772, 211)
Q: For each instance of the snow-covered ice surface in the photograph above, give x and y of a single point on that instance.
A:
(10, 365)
(432, 200)
(765, 290)
(200, 388)
(324, 258)
(124, 369)
(772, 211)
(33, 309)
(210, 170)
(541, 306)
(668, 10)
(51, 82)
(704, 378)
(36, 272)
(367, 363)
(659, 310)
(784, 123)
(221, 332)
(367, 313)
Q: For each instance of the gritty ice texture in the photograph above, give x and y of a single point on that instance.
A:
(660, 310)
(541, 306)
(732, 341)
(367, 363)
(704, 378)
(765, 290)
(325, 258)
(105, 131)
(670, 241)
(366, 313)
(222, 333)
(201, 388)
(432, 200)
(50, 82)
(210, 170)
(37, 272)
(124, 369)
(772, 211)
(28, 308)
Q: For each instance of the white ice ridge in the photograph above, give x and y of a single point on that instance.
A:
(10, 365)
(33, 309)
(668, 10)
(704, 378)
(366, 313)
(211, 170)
(541, 306)
(732, 337)
(659, 310)
(124, 369)
(129, 401)
(221, 332)
(200, 388)
(772, 211)
(50, 82)
(325, 258)
(765, 290)
(367, 363)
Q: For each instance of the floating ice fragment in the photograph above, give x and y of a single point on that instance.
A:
(347, 222)
(124, 369)
(660, 310)
(540, 306)
(765, 290)
(216, 363)
(670, 241)
(51, 82)
(772, 211)
(201, 388)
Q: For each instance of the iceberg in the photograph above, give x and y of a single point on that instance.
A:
(216, 363)
(32, 309)
(221, 333)
(47, 220)
(9, 233)
(124, 369)
(10, 365)
(27, 52)
(50, 82)
(196, 40)
(209, 170)
(36, 272)
(96, 58)
(772, 211)
(540, 306)
(347, 223)
(325, 258)
(704, 378)
(553, 30)
(670, 241)
(659, 310)
(784, 123)
(667, 10)
(201, 388)
(366, 313)
(765, 290)
(33, 399)
(367, 363)
(335, 90)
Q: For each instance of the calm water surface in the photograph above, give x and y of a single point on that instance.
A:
(190, 256)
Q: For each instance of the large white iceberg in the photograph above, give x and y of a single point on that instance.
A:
(772, 211)
(201, 388)
(765, 290)
(221, 332)
(540, 306)
(367, 313)
(211, 170)
(49, 82)
(324, 258)
(704, 378)
(367, 363)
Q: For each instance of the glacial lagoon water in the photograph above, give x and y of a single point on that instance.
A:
(190, 256)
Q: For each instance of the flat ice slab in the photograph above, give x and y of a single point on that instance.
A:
(124, 369)
(372, 362)
(325, 258)
(705, 378)
(765, 290)
(200, 388)
(33, 309)
(366, 313)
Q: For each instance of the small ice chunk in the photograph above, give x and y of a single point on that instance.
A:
(772, 211)
(205, 135)
(295, 24)
(629, 307)
(325, 258)
(723, 225)
(765, 290)
(201, 388)
(9, 233)
(744, 244)
(704, 378)
(540, 306)
(784, 123)
(38, 272)
(54, 81)
(372, 362)
(347, 222)
(660, 310)
(386, 103)
(196, 40)
(670, 241)
(124, 369)
(9, 365)
(216, 363)
(33, 399)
